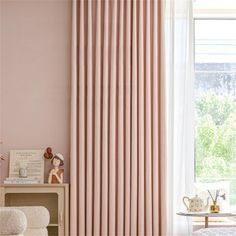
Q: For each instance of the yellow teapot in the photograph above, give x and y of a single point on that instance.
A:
(195, 204)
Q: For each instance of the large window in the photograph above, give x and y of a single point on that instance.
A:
(215, 102)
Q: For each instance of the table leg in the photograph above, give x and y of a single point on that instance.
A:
(206, 221)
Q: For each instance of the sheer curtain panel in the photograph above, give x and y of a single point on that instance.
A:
(180, 110)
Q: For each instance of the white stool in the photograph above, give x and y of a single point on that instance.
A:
(12, 222)
(36, 217)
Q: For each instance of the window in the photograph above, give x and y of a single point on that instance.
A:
(215, 102)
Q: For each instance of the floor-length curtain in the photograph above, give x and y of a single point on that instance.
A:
(180, 109)
(117, 142)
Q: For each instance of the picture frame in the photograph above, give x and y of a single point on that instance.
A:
(31, 160)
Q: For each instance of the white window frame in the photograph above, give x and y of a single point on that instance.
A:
(211, 14)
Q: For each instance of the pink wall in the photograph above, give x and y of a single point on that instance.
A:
(35, 76)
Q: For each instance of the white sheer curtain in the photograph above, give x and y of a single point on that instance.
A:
(180, 109)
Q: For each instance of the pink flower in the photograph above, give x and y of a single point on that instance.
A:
(2, 157)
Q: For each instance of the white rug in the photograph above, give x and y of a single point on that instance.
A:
(229, 231)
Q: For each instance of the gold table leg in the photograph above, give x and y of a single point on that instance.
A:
(206, 221)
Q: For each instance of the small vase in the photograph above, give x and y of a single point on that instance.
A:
(214, 208)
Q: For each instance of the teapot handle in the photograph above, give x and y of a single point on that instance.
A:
(184, 198)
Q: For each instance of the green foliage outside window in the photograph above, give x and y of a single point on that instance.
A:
(215, 136)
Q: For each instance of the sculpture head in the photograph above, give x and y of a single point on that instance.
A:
(57, 160)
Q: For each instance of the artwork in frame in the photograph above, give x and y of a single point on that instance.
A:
(29, 162)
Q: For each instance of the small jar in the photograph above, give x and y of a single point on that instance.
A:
(214, 208)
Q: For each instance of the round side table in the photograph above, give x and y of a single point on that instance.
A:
(206, 215)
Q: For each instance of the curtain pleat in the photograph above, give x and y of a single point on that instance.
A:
(112, 122)
(89, 120)
(134, 125)
(156, 188)
(141, 210)
(81, 121)
(105, 108)
(127, 110)
(148, 123)
(97, 123)
(118, 125)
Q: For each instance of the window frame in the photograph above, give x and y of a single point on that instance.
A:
(214, 18)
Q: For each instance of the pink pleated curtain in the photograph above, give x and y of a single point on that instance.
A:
(116, 168)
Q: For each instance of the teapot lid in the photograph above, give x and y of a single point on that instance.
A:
(196, 197)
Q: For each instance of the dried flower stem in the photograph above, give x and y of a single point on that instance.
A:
(210, 195)
(214, 200)
(217, 194)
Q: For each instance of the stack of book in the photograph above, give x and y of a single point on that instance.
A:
(17, 180)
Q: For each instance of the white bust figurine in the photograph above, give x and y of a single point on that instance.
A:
(56, 174)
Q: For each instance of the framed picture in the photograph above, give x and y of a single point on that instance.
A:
(30, 160)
